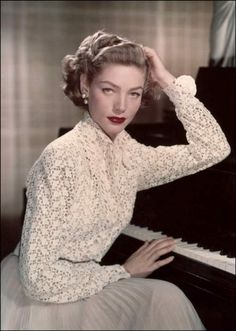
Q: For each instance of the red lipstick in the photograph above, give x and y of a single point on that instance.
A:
(116, 120)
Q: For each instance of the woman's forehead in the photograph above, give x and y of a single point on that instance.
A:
(119, 73)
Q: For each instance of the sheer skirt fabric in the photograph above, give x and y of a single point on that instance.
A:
(128, 304)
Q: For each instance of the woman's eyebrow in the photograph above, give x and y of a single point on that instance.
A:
(116, 86)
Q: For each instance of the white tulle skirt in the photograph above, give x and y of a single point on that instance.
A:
(129, 304)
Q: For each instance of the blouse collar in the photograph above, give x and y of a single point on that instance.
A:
(103, 137)
(96, 135)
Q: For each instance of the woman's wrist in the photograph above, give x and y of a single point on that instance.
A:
(165, 79)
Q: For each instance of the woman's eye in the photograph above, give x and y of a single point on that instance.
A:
(107, 90)
(135, 94)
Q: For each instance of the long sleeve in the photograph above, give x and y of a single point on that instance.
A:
(206, 146)
(46, 277)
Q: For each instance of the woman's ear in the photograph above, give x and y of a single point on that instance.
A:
(84, 86)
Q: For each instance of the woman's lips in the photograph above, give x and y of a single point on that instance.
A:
(117, 120)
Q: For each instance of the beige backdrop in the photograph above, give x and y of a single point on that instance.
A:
(36, 35)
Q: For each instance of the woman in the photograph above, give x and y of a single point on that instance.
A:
(81, 194)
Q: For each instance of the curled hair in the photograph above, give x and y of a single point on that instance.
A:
(93, 53)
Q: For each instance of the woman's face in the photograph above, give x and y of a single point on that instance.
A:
(114, 97)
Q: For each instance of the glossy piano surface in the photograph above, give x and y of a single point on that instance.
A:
(199, 208)
(211, 290)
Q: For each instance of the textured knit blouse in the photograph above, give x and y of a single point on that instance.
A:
(81, 194)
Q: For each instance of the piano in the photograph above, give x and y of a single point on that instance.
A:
(197, 210)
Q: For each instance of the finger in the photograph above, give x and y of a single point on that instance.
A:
(153, 58)
(160, 252)
(148, 249)
(150, 54)
(160, 243)
(161, 263)
(154, 241)
(149, 51)
(157, 246)
(141, 248)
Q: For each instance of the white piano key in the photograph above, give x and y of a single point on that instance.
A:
(230, 265)
(182, 247)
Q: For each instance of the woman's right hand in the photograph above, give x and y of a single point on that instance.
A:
(159, 73)
(147, 258)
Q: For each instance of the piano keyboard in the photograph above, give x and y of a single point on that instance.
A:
(183, 248)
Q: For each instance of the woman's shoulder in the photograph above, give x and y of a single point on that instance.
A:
(63, 149)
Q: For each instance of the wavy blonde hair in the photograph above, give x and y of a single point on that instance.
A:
(93, 53)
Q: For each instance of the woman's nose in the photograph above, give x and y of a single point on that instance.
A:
(120, 105)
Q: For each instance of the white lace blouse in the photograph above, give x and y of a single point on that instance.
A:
(81, 193)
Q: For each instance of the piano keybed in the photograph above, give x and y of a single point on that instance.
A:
(184, 248)
(197, 210)
(211, 289)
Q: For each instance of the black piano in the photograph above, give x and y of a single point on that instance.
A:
(199, 208)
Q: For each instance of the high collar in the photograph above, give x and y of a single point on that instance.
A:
(100, 134)
(95, 136)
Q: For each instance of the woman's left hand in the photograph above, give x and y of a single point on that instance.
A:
(159, 73)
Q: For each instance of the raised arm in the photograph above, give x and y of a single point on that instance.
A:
(206, 146)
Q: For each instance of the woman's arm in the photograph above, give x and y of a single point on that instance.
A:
(44, 275)
(207, 144)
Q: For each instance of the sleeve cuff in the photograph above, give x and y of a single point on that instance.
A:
(125, 273)
(182, 85)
